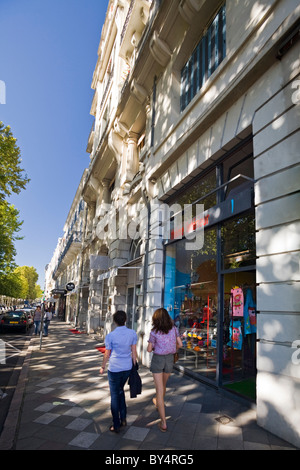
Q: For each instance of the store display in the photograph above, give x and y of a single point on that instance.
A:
(239, 339)
(236, 335)
(237, 302)
(249, 313)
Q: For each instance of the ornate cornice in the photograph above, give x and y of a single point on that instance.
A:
(160, 50)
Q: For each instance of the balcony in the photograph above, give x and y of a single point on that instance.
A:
(71, 249)
(90, 143)
(134, 25)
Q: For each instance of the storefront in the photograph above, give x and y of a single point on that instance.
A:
(71, 302)
(210, 292)
(60, 305)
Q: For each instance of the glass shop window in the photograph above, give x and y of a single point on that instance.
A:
(238, 242)
(191, 294)
(236, 168)
(200, 190)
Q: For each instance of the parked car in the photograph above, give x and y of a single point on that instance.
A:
(15, 320)
(30, 313)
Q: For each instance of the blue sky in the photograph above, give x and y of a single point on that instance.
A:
(48, 55)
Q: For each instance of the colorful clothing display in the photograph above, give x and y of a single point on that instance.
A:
(249, 314)
(236, 336)
(237, 302)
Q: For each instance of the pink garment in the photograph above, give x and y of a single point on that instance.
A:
(237, 302)
(164, 343)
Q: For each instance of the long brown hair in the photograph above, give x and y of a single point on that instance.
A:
(161, 321)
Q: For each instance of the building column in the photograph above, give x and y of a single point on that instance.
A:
(106, 192)
(132, 159)
(277, 242)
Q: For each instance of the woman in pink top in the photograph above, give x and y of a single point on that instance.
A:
(163, 342)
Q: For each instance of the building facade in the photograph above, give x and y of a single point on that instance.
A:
(192, 191)
(64, 280)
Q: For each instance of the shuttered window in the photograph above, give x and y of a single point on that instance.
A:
(205, 59)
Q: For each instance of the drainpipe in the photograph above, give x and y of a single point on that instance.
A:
(153, 112)
(146, 257)
(147, 204)
(80, 269)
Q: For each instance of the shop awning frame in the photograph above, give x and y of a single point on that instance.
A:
(112, 272)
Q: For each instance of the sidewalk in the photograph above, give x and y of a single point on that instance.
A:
(62, 402)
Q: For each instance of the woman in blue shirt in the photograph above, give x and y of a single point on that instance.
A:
(120, 351)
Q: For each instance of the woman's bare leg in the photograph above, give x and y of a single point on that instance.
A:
(160, 381)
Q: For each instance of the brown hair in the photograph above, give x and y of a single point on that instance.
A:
(161, 321)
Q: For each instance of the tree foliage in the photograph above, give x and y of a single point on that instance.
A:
(12, 180)
(11, 285)
(21, 283)
(9, 227)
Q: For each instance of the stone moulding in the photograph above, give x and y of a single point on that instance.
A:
(159, 50)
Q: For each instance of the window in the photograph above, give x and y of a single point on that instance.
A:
(135, 249)
(199, 192)
(191, 298)
(205, 59)
(238, 242)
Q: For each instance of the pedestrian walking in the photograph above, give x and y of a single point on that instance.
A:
(120, 351)
(163, 342)
(47, 319)
(37, 318)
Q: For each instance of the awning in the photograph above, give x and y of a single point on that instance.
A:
(112, 272)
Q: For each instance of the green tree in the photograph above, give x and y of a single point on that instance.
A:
(12, 180)
(39, 291)
(9, 227)
(21, 283)
(12, 285)
(28, 277)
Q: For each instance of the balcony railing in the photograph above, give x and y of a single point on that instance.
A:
(75, 240)
(107, 87)
(127, 20)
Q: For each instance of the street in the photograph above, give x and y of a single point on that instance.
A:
(11, 360)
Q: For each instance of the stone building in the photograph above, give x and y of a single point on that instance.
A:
(64, 279)
(196, 109)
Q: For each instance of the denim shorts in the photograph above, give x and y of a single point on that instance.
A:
(162, 363)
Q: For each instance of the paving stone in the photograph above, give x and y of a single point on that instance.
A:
(46, 418)
(45, 407)
(135, 433)
(32, 443)
(75, 411)
(79, 424)
(45, 390)
(56, 433)
(84, 440)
